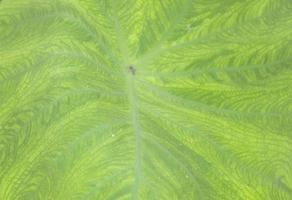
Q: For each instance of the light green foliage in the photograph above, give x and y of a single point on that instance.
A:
(145, 99)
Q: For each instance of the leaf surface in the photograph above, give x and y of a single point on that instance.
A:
(145, 99)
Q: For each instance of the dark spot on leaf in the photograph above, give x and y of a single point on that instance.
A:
(132, 70)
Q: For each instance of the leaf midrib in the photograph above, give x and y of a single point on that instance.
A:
(130, 89)
(137, 133)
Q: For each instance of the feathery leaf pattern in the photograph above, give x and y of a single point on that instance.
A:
(145, 99)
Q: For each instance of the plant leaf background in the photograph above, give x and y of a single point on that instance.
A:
(204, 113)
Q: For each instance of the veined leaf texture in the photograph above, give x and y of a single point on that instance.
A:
(145, 99)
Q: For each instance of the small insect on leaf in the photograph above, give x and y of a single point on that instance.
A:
(132, 70)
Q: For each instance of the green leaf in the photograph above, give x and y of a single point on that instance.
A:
(145, 99)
